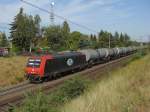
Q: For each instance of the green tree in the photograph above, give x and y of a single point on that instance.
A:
(116, 40)
(3, 40)
(55, 38)
(36, 31)
(18, 38)
(100, 38)
(104, 38)
(66, 34)
(111, 40)
(93, 40)
(127, 41)
(122, 40)
(37, 21)
(23, 30)
(76, 39)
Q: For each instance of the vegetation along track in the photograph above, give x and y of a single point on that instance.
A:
(15, 95)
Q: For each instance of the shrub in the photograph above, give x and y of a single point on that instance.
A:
(34, 103)
(39, 102)
(136, 56)
(70, 89)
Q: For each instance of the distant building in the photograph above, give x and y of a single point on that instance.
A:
(4, 51)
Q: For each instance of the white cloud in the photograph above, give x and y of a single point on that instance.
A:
(75, 10)
(73, 7)
(81, 6)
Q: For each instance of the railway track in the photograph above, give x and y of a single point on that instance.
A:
(15, 88)
(14, 96)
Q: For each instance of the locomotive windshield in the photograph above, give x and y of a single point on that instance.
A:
(34, 63)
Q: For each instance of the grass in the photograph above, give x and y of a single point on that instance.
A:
(79, 94)
(125, 90)
(39, 102)
(112, 93)
(12, 70)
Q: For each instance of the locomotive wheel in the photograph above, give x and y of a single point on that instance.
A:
(58, 75)
(37, 81)
(54, 76)
(41, 80)
(46, 79)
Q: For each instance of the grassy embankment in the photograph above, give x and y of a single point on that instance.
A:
(126, 90)
(39, 102)
(12, 70)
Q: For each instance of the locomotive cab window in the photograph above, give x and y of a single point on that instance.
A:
(34, 63)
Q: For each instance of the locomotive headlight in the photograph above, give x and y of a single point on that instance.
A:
(38, 60)
(33, 70)
(31, 60)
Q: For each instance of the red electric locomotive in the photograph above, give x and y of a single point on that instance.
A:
(46, 67)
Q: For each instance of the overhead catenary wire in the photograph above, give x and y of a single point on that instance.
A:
(58, 16)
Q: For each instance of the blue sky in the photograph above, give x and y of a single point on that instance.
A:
(129, 16)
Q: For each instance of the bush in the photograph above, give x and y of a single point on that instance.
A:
(136, 56)
(69, 90)
(41, 103)
(35, 103)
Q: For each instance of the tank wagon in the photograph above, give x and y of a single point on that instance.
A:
(117, 51)
(50, 66)
(92, 56)
(130, 50)
(103, 54)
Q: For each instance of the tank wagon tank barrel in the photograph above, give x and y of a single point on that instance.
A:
(92, 55)
(103, 53)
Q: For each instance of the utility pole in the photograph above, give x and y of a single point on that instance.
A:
(52, 13)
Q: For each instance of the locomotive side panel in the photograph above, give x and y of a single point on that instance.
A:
(64, 63)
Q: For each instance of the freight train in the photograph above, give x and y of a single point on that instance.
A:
(51, 66)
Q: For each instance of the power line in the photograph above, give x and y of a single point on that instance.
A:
(61, 17)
